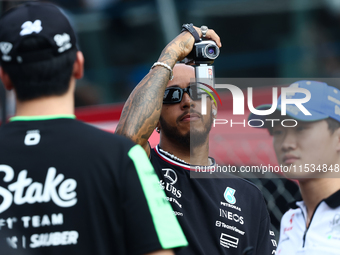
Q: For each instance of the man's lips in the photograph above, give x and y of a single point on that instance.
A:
(190, 117)
(289, 159)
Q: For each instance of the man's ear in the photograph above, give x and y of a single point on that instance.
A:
(158, 127)
(6, 80)
(78, 66)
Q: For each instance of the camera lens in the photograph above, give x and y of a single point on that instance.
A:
(211, 50)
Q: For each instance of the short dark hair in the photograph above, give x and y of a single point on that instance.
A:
(42, 78)
(332, 124)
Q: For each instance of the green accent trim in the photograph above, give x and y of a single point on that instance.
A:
(209, 95)
(168, 230)
(42, 117)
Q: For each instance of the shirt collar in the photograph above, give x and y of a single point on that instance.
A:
(332, 201)
(42, 117)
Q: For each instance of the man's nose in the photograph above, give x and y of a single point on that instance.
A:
(289, 141)
(187, 101)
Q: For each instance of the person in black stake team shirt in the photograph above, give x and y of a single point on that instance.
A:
(67, 187)
(218, 216)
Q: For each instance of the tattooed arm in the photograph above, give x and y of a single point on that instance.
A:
(142, 110)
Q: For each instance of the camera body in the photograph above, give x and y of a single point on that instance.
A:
(202, 57)
(203, 52)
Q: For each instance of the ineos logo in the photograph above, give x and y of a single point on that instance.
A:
(171, 175)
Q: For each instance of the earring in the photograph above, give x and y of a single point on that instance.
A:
(214, 112)
(158, 130)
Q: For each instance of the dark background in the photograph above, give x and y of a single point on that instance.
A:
(121, 39)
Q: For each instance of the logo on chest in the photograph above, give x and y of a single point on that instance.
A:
(231, 216)
(170, 174)
(229, 195)
(230, 198)
(335, 224)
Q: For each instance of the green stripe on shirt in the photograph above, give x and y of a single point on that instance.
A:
(42, 117)
(167, 227)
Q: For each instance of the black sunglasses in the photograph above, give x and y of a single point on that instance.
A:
(174, 95)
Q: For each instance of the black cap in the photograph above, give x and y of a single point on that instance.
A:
(34, 19)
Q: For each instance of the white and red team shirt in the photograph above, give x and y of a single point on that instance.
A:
(322, 237)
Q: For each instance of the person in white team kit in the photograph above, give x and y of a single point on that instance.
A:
(312, 151)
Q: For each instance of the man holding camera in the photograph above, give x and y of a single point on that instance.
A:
(218, 216)
(310, 153)
(65, 186)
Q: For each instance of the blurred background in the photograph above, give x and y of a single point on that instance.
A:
(121, 39)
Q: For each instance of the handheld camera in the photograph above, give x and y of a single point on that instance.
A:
(202, 57)
(203, 53)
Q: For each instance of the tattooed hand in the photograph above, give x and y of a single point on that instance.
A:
(142, 110)
(182, 45)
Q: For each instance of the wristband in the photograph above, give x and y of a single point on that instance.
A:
(166, 66)
(190, 28)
